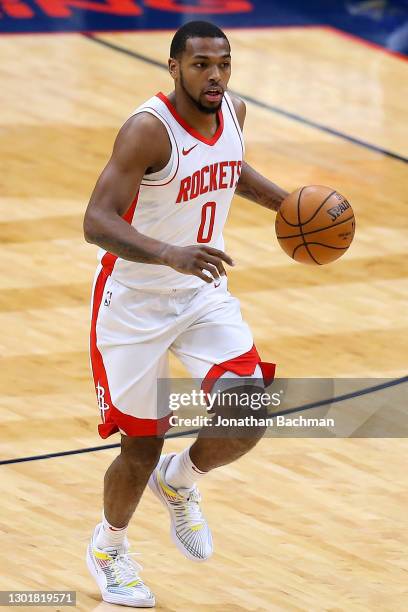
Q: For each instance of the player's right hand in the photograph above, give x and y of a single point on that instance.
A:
(196, 260)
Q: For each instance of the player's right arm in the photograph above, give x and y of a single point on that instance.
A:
(141, 145)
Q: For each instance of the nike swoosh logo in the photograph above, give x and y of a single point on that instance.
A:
(189, 150)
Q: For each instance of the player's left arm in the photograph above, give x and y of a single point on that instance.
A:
(252, 185)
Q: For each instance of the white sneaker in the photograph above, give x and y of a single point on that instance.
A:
(117, 575)
(189, 529)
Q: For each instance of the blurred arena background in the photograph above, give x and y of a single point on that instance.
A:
(300, 523)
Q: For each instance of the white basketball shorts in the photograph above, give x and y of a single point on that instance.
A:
(132, 332)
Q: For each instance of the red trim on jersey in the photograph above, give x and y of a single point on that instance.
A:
(191, 130)
(243, 365)
(128, 216)
(109, 259)
(147, 184)
(112, 418)
(236, 123)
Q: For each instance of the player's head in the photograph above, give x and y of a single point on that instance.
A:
(200, 61)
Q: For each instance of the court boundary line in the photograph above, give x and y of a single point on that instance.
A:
(317, 26)
(259, 103)
(365, 42)
(335, 400)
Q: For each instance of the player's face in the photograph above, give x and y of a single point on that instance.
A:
(203, 72)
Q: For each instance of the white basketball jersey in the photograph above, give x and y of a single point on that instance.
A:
(191, 205)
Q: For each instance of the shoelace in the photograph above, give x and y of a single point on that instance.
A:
(125, 569)
(189, 506)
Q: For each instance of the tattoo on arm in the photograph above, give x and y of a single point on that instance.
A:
(130, 245)
(250, 192)
(255, 187)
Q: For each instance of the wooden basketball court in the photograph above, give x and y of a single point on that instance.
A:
(299, 524)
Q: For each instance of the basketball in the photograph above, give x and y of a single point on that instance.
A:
(315, 225)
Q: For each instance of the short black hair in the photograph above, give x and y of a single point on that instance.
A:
(193, 29)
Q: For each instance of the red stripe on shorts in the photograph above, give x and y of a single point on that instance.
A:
(112, 418)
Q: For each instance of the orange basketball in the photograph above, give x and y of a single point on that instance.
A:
(315, 225)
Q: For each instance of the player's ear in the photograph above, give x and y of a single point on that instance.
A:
(173, 68)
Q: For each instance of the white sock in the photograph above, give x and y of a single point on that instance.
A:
(110, 536)
(181, 473)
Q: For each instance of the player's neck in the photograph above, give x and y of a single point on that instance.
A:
(205, 124)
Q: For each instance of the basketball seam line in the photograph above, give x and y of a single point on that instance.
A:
(328, 246)
(287, 222)
(314, 231)
(301, 230)
(308, 221)
(318, 209)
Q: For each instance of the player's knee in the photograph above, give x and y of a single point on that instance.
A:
(141, 454)
(241, 411)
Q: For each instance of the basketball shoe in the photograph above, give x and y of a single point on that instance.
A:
(117, 575)
(189, 529)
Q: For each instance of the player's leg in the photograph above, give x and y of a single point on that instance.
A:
(132, 411)
(108, 559)
(218, 348)
(125, 372)
(124, 483)
(224, 443)
(174, 481)
(216, 336)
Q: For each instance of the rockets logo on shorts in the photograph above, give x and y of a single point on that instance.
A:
(100, 397)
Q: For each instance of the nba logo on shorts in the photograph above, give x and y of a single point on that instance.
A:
(108, 298)
(100, 396)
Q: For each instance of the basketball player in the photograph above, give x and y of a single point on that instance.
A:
(158, 211)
